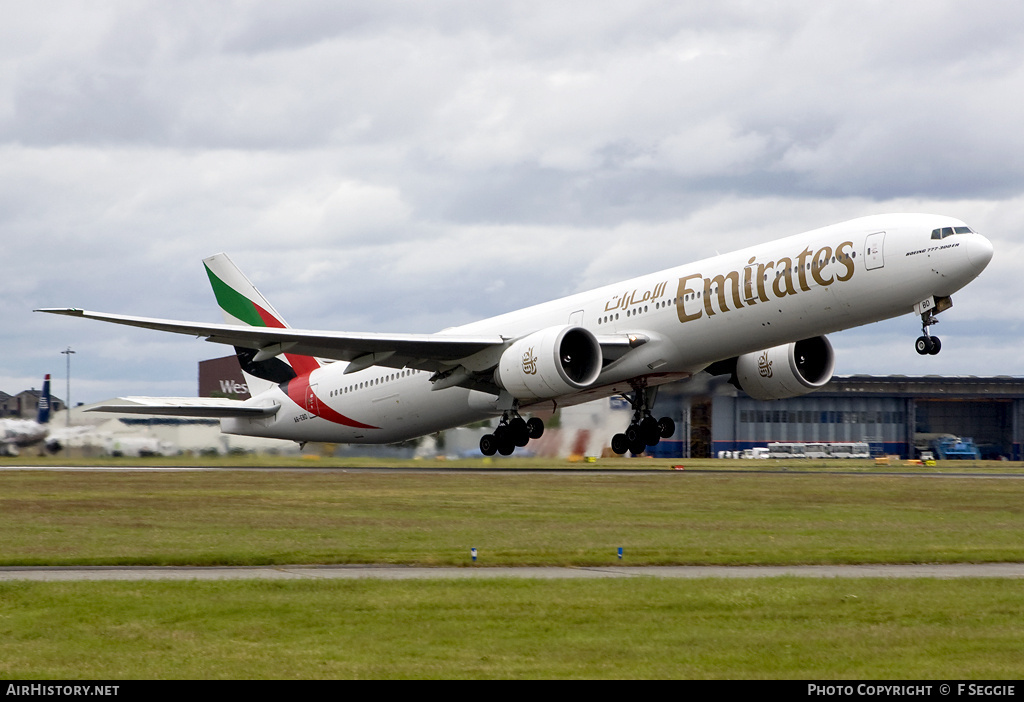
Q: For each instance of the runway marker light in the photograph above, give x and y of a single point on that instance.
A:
(472, 552)
(620, 553)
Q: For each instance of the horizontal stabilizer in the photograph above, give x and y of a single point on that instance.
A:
(184, 407)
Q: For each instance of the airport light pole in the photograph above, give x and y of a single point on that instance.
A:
(67, 402)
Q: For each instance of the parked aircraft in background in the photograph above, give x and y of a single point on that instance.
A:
(758, 315)
(17, 434)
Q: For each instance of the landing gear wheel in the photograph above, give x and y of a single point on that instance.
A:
(638, 447)
(936, 346)
(666, 427)
(923, 345)
(506, 446)
(649, 431)
(633, 434)
(504, 440)
(620, 444)
(488, 445)
(518, 432)
(534, 427)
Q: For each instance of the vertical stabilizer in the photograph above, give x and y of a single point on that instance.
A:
(242, 303)
(43, 407)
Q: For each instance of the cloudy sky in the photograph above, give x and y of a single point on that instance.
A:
(408, 166)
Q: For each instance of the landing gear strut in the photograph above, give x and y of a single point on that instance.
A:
(512, 431)
(644, 430)
(927, 344)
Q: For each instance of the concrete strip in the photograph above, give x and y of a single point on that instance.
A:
(397, 572)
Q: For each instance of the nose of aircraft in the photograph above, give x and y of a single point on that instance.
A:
(979, 252)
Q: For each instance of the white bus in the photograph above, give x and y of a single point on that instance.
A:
(789, 450)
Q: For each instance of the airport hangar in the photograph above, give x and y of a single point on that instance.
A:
(891, 414)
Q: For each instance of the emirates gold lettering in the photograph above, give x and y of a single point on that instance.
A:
(748, 284)
(762, 269)
(684, 292)
(698, 296)
(711, 285)
(816, 271)
(783, 284)
(843, 256)
(802, 262)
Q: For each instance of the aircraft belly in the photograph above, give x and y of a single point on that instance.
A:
(396, 416)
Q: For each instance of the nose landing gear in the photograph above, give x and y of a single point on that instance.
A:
(926, 344)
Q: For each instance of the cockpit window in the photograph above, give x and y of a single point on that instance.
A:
(950, 231)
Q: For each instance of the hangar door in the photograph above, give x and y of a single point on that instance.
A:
(989, 423)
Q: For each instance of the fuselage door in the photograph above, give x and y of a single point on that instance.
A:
(576, 318)
(873, 251)
(312, 402)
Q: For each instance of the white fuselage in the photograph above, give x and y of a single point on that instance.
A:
(814, 283)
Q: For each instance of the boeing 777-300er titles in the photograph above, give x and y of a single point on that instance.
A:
(758, 315)
(17, 434)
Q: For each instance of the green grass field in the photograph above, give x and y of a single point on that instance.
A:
(647, 628)
(279, 517)
(635, 628)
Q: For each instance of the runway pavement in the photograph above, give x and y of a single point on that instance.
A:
(797, 471)
(396, 572)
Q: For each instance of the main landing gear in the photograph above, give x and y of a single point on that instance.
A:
(926, 344)
(512, 431)
(644, 430)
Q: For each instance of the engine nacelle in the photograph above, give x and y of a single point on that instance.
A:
(786, 371)
(548, 363)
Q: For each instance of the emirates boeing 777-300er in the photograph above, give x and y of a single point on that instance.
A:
(758, 315)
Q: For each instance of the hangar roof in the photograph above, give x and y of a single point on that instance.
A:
(963, 387)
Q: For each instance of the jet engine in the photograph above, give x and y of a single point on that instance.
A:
(786, 371)
(548, 363)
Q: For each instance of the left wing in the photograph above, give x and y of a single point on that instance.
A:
(433, 352)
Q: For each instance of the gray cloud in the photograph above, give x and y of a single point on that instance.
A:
(410, 166)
